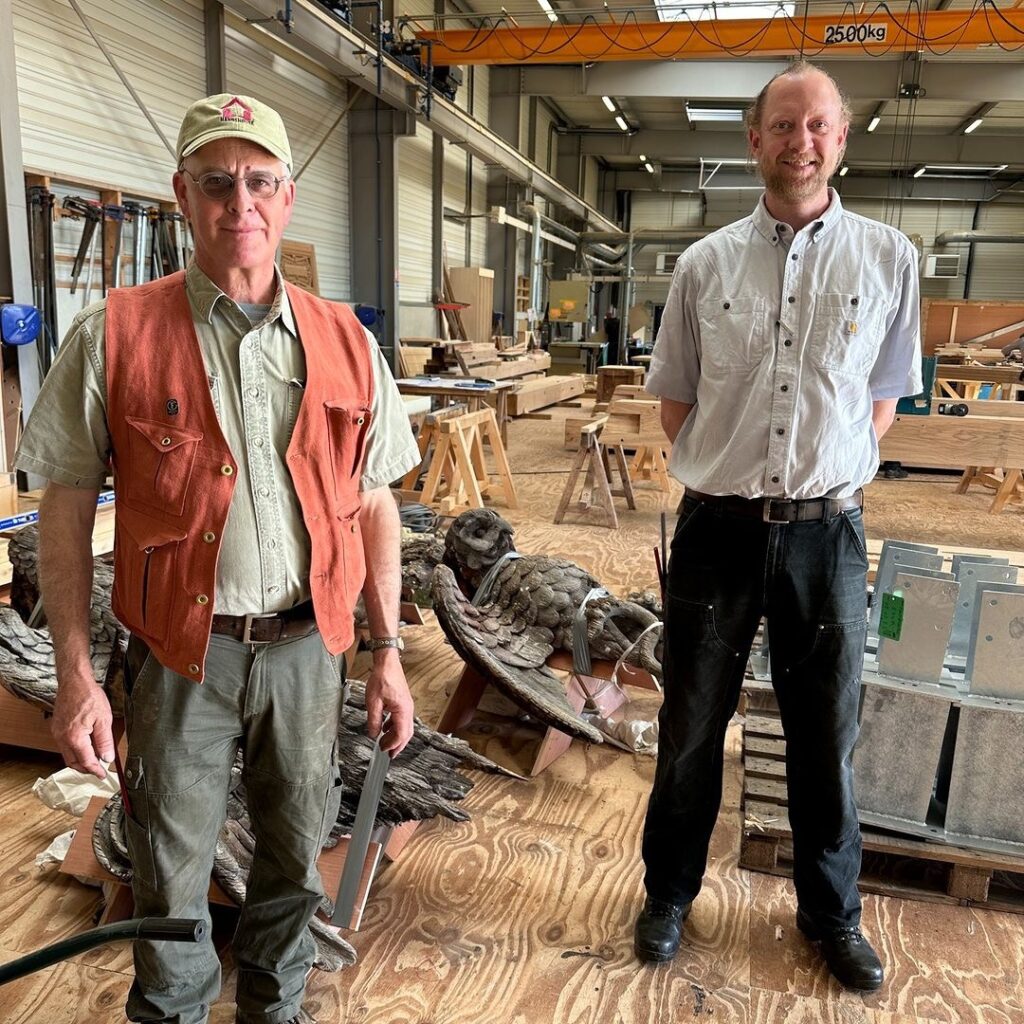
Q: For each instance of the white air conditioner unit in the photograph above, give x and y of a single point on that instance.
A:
(666, 262)
(942, 265)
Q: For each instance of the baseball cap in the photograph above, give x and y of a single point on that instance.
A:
(229, 116)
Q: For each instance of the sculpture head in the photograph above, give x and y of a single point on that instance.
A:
(473, 543)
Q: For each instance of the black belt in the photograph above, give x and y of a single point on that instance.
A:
(267, 628)
(778, 510)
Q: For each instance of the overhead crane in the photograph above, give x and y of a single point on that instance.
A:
(878, 32)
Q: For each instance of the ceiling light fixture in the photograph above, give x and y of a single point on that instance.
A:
(609, 103)
(621, 122)
(649, 166)
(732, 115)
(974, 124)
(843, 171)
(873, 123)
(548, 10)
(643, 159)
(920, 170)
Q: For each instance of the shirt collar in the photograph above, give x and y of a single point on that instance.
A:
(204, 296)
(765, 223)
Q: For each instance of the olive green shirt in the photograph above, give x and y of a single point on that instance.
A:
(257, 375)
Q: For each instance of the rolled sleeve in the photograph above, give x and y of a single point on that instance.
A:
(66, 439)
(391, 449)
(675, 362)
(897, 370)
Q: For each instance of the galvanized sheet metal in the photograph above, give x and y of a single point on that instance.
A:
(928, 607)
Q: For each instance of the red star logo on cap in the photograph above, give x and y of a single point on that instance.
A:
(236, 110)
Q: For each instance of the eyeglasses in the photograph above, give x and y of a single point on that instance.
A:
(220, 184)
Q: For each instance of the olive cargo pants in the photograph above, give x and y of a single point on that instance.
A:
(280, 704)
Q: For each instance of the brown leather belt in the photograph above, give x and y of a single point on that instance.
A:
(778, 510)
(267, 628)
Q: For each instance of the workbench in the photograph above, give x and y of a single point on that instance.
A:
(495, 394)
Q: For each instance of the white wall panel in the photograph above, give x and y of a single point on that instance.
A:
(77, 119)
(309, 105)
(415, 207)
(455, 198)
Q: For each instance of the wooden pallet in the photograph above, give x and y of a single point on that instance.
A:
(892, 865)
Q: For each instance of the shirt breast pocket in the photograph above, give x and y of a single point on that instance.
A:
(161, 459)
(846, 333)
(733, 336)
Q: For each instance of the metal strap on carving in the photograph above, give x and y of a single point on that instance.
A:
(484, 590)
(580, 643)
(631, 647)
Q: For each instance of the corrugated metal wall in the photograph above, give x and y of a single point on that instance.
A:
(660, 210)
(997, 270)
(77, 119)
(414, 217)
(309, 104)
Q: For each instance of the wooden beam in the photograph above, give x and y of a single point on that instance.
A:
(955, 441)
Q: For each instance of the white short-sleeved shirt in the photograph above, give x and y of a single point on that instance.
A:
(782, 342)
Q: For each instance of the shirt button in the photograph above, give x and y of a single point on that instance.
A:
(785, 387)
(258, 442)
(273, 589)
(778, 323)
(264, 491)
(194, 669)
(725, 305)
(202, 599)
(255, 392)
(792, 298)
(774, 239)
(165, 441)
(780, 431)
(854, 301)
(209, 536)
(788, 342)
(793, 257)
(227, 470)
(775, 479)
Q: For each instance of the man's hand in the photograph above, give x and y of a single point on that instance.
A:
(387, 691)
(82, 726)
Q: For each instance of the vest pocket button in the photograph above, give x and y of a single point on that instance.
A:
(194, 669)
(165, 441)
(227, 470)
(209, 536)
(202, 599)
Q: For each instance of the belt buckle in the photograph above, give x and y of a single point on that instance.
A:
(766, 511)
(247, 628)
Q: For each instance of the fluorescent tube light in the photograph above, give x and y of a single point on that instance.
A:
(873, 123)
(732, 115)
(621, 122)
(974, 124)
(843, 171)
(548, 10)
(919, 172)
(609, 103)
(643, 159)
(649, 166)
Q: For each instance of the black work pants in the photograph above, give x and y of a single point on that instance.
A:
(809, 580)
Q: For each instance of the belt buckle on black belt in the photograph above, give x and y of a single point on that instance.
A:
(766, 511)
(247, 628)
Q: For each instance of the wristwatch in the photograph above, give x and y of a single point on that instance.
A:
(379, 642)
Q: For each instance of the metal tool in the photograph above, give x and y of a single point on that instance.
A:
(92, 212)
(362, 829)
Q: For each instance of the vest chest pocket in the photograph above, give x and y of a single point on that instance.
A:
(846, 334)
(347, 426)
(160, 458)
(732, 332)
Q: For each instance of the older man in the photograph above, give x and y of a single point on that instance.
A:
(252, 429)
(786, 341)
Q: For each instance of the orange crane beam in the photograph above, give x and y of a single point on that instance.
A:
(876, 34)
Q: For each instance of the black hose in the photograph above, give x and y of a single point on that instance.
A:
(170, 929)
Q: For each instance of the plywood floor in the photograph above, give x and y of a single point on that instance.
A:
(524, 914)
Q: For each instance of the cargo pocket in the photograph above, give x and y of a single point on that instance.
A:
(140, 844)
(332, 800)
(161, 457)
(148, 551)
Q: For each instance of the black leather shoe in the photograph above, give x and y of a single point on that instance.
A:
(658, 930)
(848, 954)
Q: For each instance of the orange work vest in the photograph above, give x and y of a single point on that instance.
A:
(174, 474)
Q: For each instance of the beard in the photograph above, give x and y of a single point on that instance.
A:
(780, 183)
